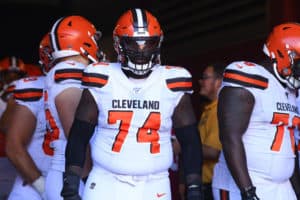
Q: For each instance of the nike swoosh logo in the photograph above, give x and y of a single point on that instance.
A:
(160, 194)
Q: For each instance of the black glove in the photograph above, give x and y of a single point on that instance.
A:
(249, 194)
(194, 192)
(71, 185)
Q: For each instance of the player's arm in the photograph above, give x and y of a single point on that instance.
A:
(66, 103)
(20, 129)
(5, 118)
(186, 131)
(235, 107)
(80, 133)
(210, 153)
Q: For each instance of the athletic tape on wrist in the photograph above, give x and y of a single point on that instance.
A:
(39, 185)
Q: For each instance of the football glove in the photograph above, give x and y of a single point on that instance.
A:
(249, 194)
(70, 186)
(194, 192)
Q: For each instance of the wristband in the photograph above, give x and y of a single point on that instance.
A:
(39, 185)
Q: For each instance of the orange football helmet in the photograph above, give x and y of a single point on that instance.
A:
(12, 68)
(33, 70)
(12, 63)
(45, 53)
(137, 39)
(74, 35)
(283, 47)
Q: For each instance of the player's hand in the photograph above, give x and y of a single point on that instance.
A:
(250, 194)
(39, 186)
(194, 192)
(70, 186)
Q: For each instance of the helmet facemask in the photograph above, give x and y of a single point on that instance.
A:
(294, 79)
(139, 54)
(283, 48)
(137, 40)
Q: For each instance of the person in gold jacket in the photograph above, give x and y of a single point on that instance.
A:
(210, 82)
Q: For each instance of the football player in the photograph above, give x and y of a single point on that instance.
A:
(25, 133)
(11, 68)
(257, 115)
(74, 42)
(131, 107)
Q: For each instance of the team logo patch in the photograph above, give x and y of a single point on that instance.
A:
(136, 90)
(92, 186)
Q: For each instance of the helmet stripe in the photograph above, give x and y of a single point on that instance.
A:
(53, 34)
(139, 20)
(13, 62)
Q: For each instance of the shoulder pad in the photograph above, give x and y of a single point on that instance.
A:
(68, 70)
(67, 74)
(30, 82)
(96, 75)
(29, 89)
(178, 79)
(245, 74)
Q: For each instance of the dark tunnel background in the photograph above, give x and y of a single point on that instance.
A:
(195, 32)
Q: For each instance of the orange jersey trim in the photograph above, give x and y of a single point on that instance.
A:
(28, 94)
(64, 74)
(8, 92)
(93, 79)
(248, 80)
(179, 84)
(10, 89)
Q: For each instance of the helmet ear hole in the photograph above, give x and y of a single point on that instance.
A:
(286, 71)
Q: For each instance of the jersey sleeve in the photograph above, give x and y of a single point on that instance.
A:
(65, 75)
(245, 74)
(68, 74)
(95, 75)
(29, 92)
(178, 79)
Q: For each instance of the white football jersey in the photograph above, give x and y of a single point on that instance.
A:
(297, 132)
(29, 93)
(269, 139)
(133, 135)
(62, 76)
